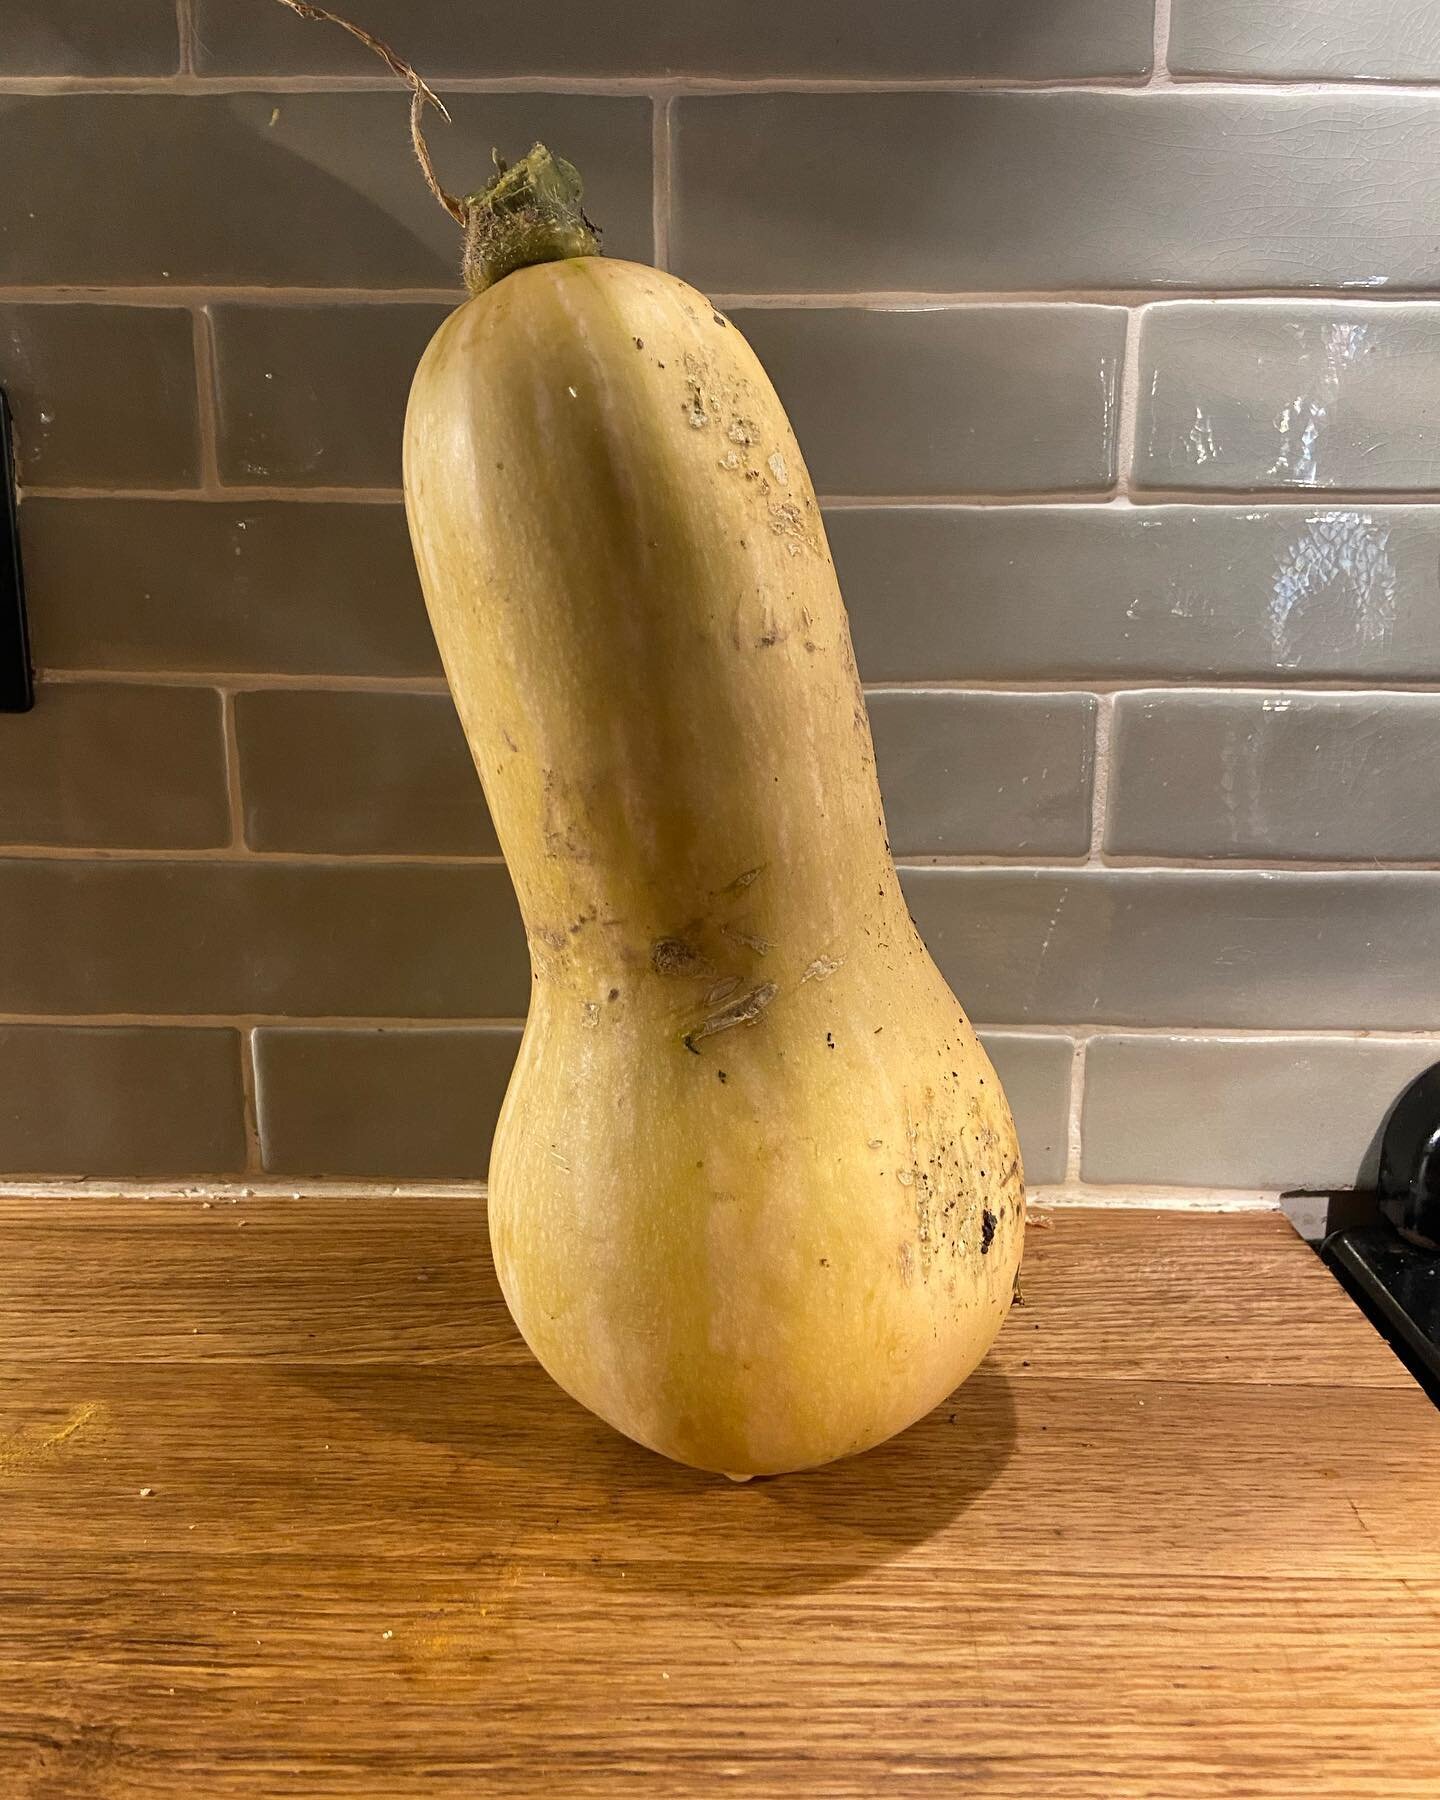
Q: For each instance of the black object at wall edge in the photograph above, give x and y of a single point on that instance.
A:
(17, 686)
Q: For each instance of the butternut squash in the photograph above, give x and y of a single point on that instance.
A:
(755, 1194)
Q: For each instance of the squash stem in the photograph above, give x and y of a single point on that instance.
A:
(529, 212)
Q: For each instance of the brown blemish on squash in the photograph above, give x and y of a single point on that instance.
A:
(673, 956)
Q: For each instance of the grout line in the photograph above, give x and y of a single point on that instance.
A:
(1201, 863)
(1331, 687)
(1202, 499)
(242, 682)
(1127, 423)
(256, 1021)
(272, 1187)
(1073, 1116)
(1313, 1035)
(1100, 777)
(206, 404)
(185, 33)
(1158, 1199)
(243, 854)
(915, 862)
(180, 293)
(249, 1089)
(235, 495)
(1160, 53)
(232, 772)
(205, 1188)
(1136, 89)
(662, 157)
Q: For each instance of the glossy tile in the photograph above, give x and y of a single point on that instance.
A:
(1080, 592)
(1321, 40)
(126, 1101)
(102, 396)
(1312, 395)
(1148, 947)
(984, 774)
(358, 774)
(310, 189)
(926, 400)
(116, 767)
(793, 192)
(270, 587)
(1241, 1112)
(1327, 776)
(916, 39)
(1035, 1073)
(414, 1104)
(76, 37)
(314, 396)
(312, 940)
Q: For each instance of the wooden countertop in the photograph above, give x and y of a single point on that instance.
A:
(288, 1512)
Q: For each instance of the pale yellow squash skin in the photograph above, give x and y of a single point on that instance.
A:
(791, 1236)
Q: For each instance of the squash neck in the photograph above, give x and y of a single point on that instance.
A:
(529, 212)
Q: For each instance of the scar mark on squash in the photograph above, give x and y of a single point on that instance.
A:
(821, 967)
(742, 880)
(744, 1011)
(761, 946)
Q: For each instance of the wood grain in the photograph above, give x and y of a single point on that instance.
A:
(1179, 1536)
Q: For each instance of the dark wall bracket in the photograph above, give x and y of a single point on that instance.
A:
(17, 685)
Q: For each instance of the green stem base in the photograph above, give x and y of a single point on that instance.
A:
(529, 212)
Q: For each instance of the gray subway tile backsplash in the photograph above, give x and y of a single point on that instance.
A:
(307, 189)
(1312, 395)
(77, 37)
(1019, 593)
(358, 774)
(129, 1101)
(787, 192)
(226, 586)
(1325, 776)
(1035, 1072)
(977, 774)
(913, 40)
(115, 766)
(1241, 1112)
(1124, 401)
(1299, 40)
(308, 939)
(937, 400)
(1161, 947)
(421, 1104)
(314, 396)
(101, 395)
